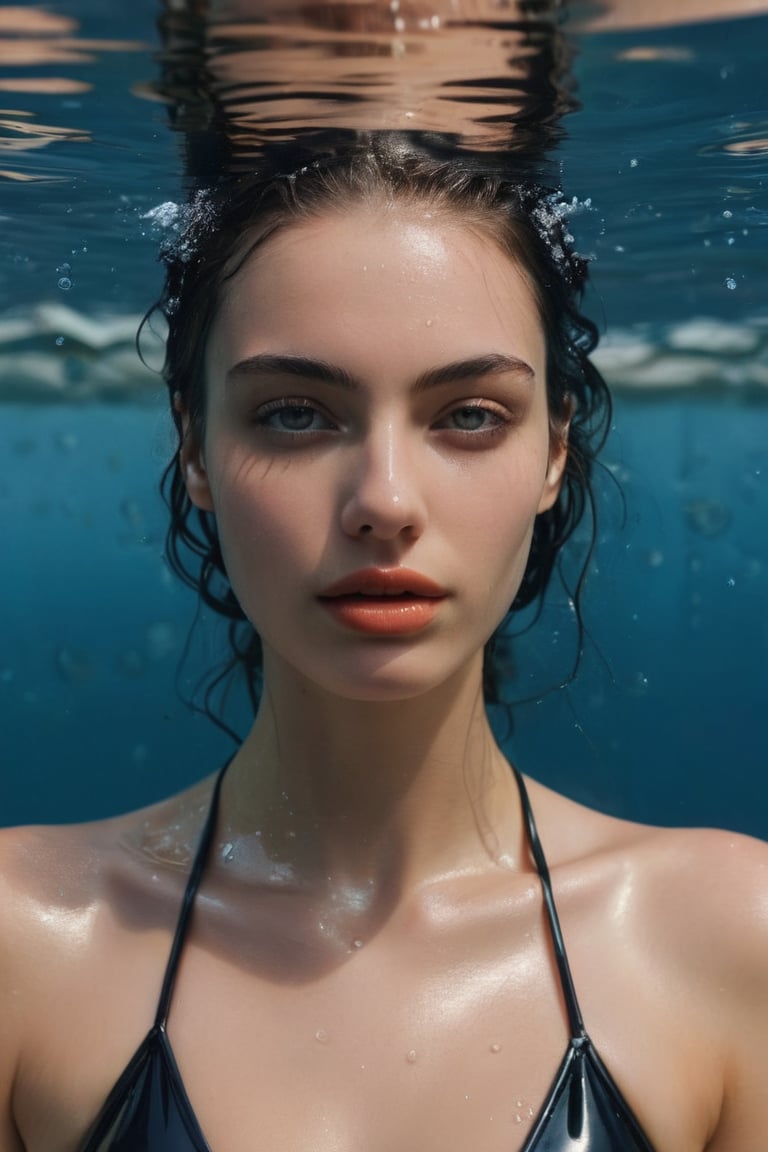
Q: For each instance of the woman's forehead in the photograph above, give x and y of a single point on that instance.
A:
(330, 283)
(374, 246)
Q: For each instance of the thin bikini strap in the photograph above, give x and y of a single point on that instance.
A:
(575, 1020)
(193, 883)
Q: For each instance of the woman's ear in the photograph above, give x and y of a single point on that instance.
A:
(559, 426)
(192, 461)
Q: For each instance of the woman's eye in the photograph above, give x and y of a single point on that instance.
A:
(472, 418)
(294, 416)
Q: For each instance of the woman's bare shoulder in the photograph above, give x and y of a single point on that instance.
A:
(696, 896)
(695, 869)
(59, 883)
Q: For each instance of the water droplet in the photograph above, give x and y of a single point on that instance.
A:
(228, 851)
(321, 1036)
(495, 1047)
(518, 1118)
(65, 283)
(730, 283)
(357, 943)
(518, 1103)
(399, 24)
(429, 323)
(412, 1056)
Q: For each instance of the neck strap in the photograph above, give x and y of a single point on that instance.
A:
(187, 904)
(575, 1020)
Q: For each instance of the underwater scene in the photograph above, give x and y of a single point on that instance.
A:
(656, 130)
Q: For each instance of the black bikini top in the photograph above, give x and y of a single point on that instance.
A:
(148, 1109)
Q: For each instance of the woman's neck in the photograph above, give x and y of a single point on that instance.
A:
(352, 793)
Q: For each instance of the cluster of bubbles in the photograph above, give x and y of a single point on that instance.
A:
(183, 225)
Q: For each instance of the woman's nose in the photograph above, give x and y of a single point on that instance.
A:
(384, 494)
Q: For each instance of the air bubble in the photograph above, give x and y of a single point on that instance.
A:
(731, 582)
(59, 341)
(65, 283)
(730, 283)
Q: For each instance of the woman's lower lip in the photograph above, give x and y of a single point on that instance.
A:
(384, 615)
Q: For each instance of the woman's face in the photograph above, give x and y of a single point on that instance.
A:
(377, 446)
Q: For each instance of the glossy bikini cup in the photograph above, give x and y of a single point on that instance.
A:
(148, 1109)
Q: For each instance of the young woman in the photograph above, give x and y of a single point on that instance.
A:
(387, 421)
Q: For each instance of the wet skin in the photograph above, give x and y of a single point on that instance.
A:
(368, 966)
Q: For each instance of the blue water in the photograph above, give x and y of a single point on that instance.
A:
(664, 721)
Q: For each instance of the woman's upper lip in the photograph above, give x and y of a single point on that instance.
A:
(384, 582)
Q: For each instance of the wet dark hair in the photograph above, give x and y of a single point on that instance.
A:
(222, 227)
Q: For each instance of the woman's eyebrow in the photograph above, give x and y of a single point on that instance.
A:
(492, 364)
(267, 364)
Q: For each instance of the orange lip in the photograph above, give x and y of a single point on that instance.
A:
(384, 615)
(384, 601)
(384, 582)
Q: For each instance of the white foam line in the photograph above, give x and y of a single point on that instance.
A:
(57, 353)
